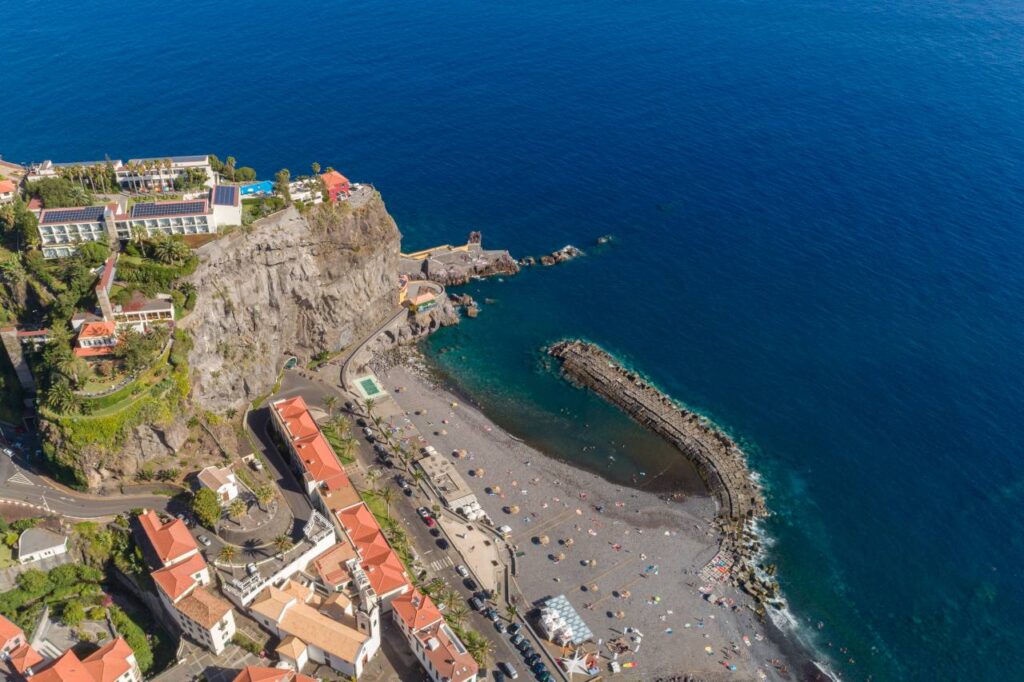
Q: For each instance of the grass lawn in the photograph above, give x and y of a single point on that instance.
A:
(6, 557)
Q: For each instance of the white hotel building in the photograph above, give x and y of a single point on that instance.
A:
(61, 230)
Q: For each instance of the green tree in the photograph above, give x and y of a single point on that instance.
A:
(457, 614)
(282, 543)
(479, 647)
(93, 253)
(60, 397)
(229, 167)
(33, 581)
(330, 402)
(281, 180)
(511, 612)
(315, 168)
(227, 554)
(206, 507)
(387, 494)
(73, 614)
(237, 509)
(264, 495)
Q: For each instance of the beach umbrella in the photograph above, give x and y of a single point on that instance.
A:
(709, 651)
(444, 432)
(593, 587)
(495, 489)
(620, 614)
(593, 562)
(625, 594)
(544, 539)
(513, 509)
(568, 542)
(561, 556)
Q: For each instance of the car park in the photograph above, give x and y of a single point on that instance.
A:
(509, 671)
(462, 570)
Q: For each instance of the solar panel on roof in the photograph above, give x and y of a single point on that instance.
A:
(224, 195)
(162, 209)
(69, 215)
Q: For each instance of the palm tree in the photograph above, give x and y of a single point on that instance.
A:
(511, 612)
(458, 614)
(330, 402)
(373, 475)
(60, 397)
(478, 647)
(282, 543)
(237, 509)
(315, 168)
(451, 599)
(227, 554)
(387, 494)
(368, 403)
(264, 495)
(230, 167)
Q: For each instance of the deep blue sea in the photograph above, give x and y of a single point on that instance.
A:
(817, 211)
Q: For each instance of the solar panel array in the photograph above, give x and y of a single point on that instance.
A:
(73, 215)
(224, 195)
(167, 208)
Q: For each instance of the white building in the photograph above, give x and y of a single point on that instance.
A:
(159, 173)
(227, 205)
(220, 480)
(182, 578)
(39, 543)
(8, 190)
(438, 649)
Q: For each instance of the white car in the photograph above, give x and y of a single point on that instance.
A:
(462, 570)
(9, 452)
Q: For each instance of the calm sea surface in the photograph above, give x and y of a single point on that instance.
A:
(817, 210)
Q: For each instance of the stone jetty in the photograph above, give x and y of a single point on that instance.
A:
(718, 459)
(720, 462)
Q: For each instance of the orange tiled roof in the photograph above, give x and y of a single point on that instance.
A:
(448, 655)
(296, 417)
(204, 608)
(92, 351)
(8, 631)
(334, 179)
(359, 523)
(177, 579)
(318, 459)
(109, 662)
(91, 330)
(330, 565)
(67, 668)
(170, 540)
(7, 186)
(416, 610)
(24, 657)
(386, 572)
(252, 673)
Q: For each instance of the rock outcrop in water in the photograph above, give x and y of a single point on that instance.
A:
(293, 285)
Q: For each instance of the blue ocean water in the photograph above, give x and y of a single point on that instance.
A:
(817, 211)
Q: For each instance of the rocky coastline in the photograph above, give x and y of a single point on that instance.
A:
(718, 459)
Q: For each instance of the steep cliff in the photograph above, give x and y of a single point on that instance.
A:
(294, 285)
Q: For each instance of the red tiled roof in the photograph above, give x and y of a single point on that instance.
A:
(91, 330)
(176, 580)
(448, 655)
(92, 351)
(251, 673)
(416, 610)
(7, 186)
(169, 540)
(67, 668)
(296, 417)
(25, 657)
(107, 278)
(382, 565)
(334, 179)
(318, 459)
(109, 662)
(359, 523)
(8, 631)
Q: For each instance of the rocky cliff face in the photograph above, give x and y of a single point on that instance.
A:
(294, 285)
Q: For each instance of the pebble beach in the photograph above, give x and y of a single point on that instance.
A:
(630, 562)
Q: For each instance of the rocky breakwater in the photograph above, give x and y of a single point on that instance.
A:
(717, 458)
(295, 284)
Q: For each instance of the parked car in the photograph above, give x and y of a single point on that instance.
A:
(205, 541)
(470, 584)
(524, 645)
(401, 480)
(532, 659)
(442, 543)
(475, 603)
(368, 432)
(407, 491)
(492, 615)
(360, 422)
(462, 570)
(509, 671)
(429, 520)
(423, 512)
(499, 626)
(9, 452)
(516, 639)
(514, 628)
(544, 677)
(435, 532)
(527, 651)
(538, 668)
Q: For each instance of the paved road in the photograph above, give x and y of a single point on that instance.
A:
(19, 484)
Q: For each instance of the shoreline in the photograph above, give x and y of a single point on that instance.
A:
(677, 615)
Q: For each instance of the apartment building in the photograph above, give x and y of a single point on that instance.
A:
(112, 662)
(438, 649)
(157, 174)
